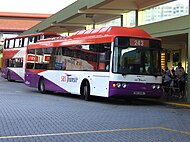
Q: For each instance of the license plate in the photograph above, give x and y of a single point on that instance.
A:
(139, 93)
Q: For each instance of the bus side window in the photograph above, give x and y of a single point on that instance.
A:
(25, 41)
(41, 37)
(17, 42)
(21, 42)
(36, 38)
(7, 62)
(52, 58)
(17, 62)
(30, 59)
(31, 40)
(6, 44)
(11, 43)
(11, 62)
(29, 65)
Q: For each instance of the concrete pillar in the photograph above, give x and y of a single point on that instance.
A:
(94, 26)
(125, 20)
(122, 20)
(136, 18)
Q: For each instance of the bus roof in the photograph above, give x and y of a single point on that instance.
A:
(52, 39)
(113, 30)
(93, 36)
(35, 34)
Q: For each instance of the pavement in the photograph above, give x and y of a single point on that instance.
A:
(28, 116)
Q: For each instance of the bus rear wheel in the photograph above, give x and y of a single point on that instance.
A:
(41, 86)
(9, 77)
(86, 91)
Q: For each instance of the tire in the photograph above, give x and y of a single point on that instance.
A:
(41, 86)
(9, 77)
(86, 91)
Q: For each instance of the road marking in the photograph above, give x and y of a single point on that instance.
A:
(177, 104)
(94, 131)
(75, 133)
(176, 131)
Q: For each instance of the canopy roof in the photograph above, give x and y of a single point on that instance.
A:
(86, 12)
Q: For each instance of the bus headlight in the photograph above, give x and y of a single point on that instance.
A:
(153, 86)
(118, 85)
(158, 86)
(124, 85)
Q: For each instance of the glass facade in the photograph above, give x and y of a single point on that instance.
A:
(115, 22)
(163, 12)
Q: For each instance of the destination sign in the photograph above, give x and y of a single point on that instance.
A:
(139, 42)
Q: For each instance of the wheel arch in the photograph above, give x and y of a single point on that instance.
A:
(7, 73)
(83, 83)
(38, 84)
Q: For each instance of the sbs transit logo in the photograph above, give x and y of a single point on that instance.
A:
(69, 78)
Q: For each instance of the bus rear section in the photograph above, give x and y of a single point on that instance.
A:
(13, 65)
(14, 54)
(113, 62)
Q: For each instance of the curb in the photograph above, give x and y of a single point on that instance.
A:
(177, 104)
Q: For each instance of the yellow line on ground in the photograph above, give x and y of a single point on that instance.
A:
(176, 131)
(75, 133)
(178, 104)
(94, 131)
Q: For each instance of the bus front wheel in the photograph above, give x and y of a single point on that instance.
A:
(86, 91)
(41, 86)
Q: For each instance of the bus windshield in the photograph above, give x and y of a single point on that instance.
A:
(137, 60)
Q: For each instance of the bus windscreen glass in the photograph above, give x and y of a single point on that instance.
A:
(137, 57)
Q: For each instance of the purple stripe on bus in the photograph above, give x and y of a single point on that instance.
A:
(32, 80)
(50, 86)
(134, 90)
(4, 72)
(13, 75)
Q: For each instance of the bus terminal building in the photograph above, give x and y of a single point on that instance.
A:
(168, 20)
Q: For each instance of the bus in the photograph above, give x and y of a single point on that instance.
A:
(14, 54)
(91, 63)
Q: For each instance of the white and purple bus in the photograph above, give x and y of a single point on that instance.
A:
(113, 61)
(14, 54)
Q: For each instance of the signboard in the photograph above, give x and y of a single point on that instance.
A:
(32, 58)
(139, 42)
